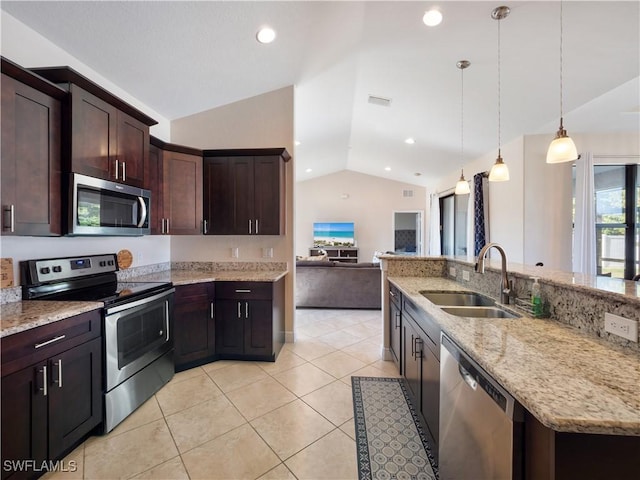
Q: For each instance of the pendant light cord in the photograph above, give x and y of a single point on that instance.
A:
(561, 61)
(462, 115)
(499, 141)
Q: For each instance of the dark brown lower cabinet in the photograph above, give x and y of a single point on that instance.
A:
(194, 325)
(395, 326)
(249, 319)
(54, 403)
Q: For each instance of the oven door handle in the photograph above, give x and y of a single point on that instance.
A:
(143, 214)
(130, 305)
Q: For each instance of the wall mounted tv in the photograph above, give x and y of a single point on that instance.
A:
(333, 234)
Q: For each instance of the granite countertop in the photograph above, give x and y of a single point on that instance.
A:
(186, 277)
(19, 316)
(570, 381)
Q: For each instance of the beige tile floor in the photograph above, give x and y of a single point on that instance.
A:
(288, 419)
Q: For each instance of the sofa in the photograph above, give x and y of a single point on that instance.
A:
(327, 284)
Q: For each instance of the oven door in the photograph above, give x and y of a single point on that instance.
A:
(136, 334)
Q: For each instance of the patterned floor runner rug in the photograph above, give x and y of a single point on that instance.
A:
(390, 438)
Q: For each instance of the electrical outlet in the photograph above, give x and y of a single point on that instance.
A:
(452, 271)
(234, 252)
(621, 326)
(267, 252)
(465, 275)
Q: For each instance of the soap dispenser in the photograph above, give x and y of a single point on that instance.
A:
(536, 299)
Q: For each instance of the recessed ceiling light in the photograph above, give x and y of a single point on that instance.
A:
(309, 170)
(432, 18)
(410, 141)
(388, 169)
(266, 35)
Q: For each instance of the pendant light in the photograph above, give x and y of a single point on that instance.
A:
(562, 149)
(462, 187)
(499, 172)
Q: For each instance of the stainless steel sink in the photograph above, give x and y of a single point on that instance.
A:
(458, 299)
(480, 312)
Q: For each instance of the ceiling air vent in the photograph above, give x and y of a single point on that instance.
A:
(381, 101)
(407, 193)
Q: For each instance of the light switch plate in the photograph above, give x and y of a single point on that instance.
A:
(621, 326)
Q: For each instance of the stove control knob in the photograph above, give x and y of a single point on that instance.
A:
(103, 263)
(111, 262)
(57, 268)
(45, 270)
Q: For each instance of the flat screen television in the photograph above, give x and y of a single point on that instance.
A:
(333, 234)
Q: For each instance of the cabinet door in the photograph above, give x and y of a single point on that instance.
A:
(194, 323)
(430, 402)
(258, 331)
(93, 135)
(75, 395)
(30, 165)
(411, 360)
(153, 180)
(243, 191)
(132, 149)
(24, 419)
(183, 197)
(230, 318)
(219, 211)
(269, 195)
(395, 332)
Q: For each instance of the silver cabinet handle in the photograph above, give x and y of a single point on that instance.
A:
(246, 309)
(117, 168)
(418, 352)
(239, 290)
(44, 389)
(162, 226)
(12, 218)
(249, 227)
(397, 319)
(256, 226)
(56, 339)
(239, 311)
(204, 227)
(124, 171)
(58, 365)
(167, 226)
(212, 312)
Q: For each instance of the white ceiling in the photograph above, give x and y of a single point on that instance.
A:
(184, 57)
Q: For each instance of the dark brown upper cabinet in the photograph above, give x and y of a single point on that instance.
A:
(244, 191)
(31, 153)
(104, 136)
(173, 173)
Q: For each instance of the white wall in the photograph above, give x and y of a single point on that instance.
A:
(370, 205)
(28, 48)
(263, 121)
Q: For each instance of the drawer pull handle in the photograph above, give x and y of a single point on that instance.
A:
(243, 291)
(38, 345)
(58, 365)
(44, 388)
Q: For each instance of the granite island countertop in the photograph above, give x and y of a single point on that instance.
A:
(570, 381)
(17, 317)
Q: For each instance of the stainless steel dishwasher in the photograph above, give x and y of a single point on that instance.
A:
(480, 423)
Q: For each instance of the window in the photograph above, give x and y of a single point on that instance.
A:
(617, 211)
(453, 224)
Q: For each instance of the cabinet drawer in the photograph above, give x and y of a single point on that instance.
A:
(395, 296)
(244, 290)
(31, 346)
(193, 292)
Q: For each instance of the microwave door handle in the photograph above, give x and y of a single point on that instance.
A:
(143, 208)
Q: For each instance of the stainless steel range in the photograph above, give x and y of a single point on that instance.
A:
(138, 327)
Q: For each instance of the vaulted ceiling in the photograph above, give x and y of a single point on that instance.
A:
(184, 57)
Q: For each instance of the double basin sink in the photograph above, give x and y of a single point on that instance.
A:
(467, 304)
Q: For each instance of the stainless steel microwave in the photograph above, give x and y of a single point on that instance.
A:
(101, 207)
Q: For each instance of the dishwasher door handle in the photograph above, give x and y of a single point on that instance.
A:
(466, 376)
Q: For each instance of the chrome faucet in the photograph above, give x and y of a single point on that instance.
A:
(505, 286)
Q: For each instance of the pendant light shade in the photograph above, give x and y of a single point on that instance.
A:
(462, 187)
(499, 171)
(562, 149)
